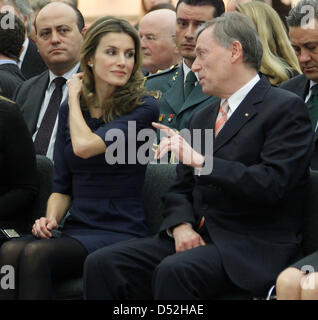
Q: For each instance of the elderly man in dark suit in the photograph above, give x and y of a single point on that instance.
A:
(303, 33)
(237, 227)
(59, 29)
(11, 45)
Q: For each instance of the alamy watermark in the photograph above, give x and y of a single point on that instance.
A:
(308, 20)
(308, 281)
(7, 277)
(130, 147)
(8, 20)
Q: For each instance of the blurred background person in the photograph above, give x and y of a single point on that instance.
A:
(232, 4)
(148, 5)
(36, 6)
(11, 45)
(157, 31)
(30, 61)
(279, 62)
(18, 176)
(74, 3)
(303, 34)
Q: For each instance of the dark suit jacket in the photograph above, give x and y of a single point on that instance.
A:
(10, 78)
(18, 176)
(29, 96)
(253, 199)
(33, 63)
(300, 86)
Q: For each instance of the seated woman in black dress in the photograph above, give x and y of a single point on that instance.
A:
(103, 199)
(18, 180)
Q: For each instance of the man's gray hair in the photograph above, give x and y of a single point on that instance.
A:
(24, 8)
(235, 26)
(302, 13)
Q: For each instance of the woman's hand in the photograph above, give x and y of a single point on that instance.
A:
(75, 85)
(43, 226)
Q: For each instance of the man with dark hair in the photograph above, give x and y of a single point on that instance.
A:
(11, 45)
(178, 88)
(30, 62)
(235, 228)
(59, 33)
(302, 21)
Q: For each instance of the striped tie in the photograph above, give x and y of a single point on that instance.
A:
(221, 118)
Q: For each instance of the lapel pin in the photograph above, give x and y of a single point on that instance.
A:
(246, 114)
(158, 94)
(161, 117)
(170, 119)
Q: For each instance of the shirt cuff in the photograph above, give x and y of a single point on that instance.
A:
(169, 232)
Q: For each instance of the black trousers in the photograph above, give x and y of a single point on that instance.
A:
(149, 268)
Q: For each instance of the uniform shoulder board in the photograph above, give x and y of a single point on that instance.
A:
(161, 72)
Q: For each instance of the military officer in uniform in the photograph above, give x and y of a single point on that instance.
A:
(178, 88)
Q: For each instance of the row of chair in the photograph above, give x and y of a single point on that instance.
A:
(158, 179)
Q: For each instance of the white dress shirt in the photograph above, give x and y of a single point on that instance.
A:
(45, 104)
(22, 55)
(236, 98)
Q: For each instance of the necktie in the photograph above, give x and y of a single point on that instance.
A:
(191, 79)
(222, 117)
(43, 136)
(312, 105)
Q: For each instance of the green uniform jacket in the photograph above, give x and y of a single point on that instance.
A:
(176, 112)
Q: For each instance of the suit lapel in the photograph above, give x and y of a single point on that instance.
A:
(303, 87)
(244, 113)
(195, 97)
(34, 100)
(174, 96)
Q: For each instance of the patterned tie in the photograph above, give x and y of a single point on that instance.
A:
(43, 136)
(191, 79)
(312, 105)
(222, 117)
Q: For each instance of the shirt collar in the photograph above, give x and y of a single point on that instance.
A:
(186, 70)
(67, 75)
(25, 48)
(7, 61)
(312, 83)
(236, 98)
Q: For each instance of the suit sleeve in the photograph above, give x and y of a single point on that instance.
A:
(16, 93)
(178, 201)
(20, 164)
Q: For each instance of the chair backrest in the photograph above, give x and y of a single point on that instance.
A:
(44, 173)
(159, 178)
(310, 228)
